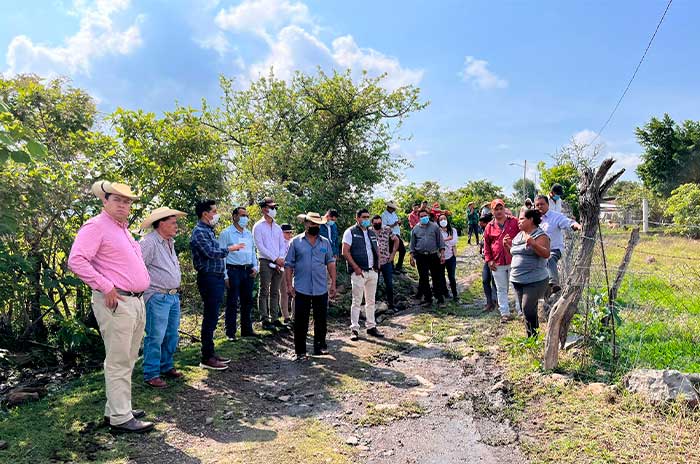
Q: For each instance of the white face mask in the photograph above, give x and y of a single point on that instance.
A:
(272, 213)
(443, 223)
(214, 220)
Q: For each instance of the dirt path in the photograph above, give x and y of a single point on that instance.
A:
(417, 396)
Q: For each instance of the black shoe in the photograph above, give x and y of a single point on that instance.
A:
(354, 335)
(269, 327)
(137, 413)
(301, 357)
(277, 323)
(375, 333)
(320, 352)
(231, 338)
(133, 426)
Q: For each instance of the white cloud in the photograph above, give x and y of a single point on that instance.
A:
(585, 137)
(629, 161)
(262, 16)
(96, 37)
(477, 72)
(397, 151)
(502, 146)
(217, 42)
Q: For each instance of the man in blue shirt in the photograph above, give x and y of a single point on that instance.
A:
(330, 231)
(241, 269)
(208, 259)
(308, 259)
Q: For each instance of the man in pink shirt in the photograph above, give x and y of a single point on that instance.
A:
(107, 258)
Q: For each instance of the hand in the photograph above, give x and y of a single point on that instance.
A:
(280, 262)
(236, 247)
(449, 238)
(253, 272)
(442, 259)
(290, 291)
(507, 241)
(528, 240)
(112, 298)
(358, 270)
(391, 258)
(412, 262)
(332, 291)
(492, 265)
(226, 282)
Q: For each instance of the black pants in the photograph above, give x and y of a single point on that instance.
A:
(240, 288)
(305, 304)
(387, 271)
(489, 285)
(528, 296)
(429, 267)
(211, 288)
(473, 229)
(402, 253)
(450, 268)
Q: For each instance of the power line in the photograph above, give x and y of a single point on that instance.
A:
(619, 101)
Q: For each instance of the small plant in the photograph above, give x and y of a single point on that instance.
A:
(530, 348)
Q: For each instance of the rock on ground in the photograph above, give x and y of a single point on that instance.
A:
(664, 385)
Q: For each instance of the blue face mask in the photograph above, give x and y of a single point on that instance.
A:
(366, 223)
(424, 220)
(243, 221)
(330, 223)
(556, 197)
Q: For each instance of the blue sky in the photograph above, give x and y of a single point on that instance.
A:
(507, 80)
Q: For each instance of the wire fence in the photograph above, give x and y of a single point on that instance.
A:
(653, 321)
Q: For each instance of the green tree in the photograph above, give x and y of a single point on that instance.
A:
(629, 195)
(524, 188)
(684, 206)
(671, 154)
(564, 174)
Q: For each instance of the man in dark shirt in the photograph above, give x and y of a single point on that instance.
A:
(427, 254)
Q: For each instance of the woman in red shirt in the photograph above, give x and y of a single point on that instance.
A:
(497, 255)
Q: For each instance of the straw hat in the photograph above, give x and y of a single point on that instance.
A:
(313, 217)
(391, 204)
(101, 187)
(160, 213)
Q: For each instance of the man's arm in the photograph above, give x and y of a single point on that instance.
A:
(289, 263)
(351, 262)
(488, 257)
(265, 251)
(331, 272)
(207, 246)
(147, 251)
(87, 243)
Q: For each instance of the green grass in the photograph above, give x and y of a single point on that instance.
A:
(59, 426)
(382, 414)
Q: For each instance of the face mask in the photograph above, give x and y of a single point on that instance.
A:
(214, 220)
(272, 213)
(443, 223)
(313, 230)
(366, 223)
(377, 226)
(330, 223)
(243, 221)
(424, 220)
(556, 197)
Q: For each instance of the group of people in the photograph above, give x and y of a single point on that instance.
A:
(523, 252)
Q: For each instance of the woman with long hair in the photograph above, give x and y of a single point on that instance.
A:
(449, 235)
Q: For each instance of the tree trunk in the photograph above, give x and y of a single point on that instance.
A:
(591, 189)
(38, 328)
(622, 269)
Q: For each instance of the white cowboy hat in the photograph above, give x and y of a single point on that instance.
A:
(391, 204)
(313, 217)
(160, 213)
(101, 187)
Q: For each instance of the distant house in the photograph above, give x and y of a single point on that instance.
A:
(612, 214)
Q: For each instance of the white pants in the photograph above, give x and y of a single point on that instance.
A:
(364, 285)
(502, 278)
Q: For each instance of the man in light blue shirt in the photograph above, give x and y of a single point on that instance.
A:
(241, 269)
(391, 219)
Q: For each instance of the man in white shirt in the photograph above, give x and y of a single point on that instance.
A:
(555, 198)
(554, 224)
(391, 219)
(272, 250)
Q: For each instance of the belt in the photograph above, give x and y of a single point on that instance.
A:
(239, 266)
(426, 253)
(170, 291)
(125, 293)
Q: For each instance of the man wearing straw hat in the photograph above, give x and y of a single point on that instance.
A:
(107, 258)
(162, 297)
(308, 259)
(391, 219)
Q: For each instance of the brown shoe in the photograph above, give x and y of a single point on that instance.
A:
(137, 413)
(157, 382)
(172, 374)
(222, 360)
(489, 307)
(214, 364)
(133, 426)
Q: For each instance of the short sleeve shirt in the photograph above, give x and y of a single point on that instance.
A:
(347, 238)
(309, 263)
(384, 236)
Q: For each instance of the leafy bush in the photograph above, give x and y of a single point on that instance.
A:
(684, 206)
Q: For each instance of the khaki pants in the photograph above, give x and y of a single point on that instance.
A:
(287, 312)
(269, 293)
(364, 285)
(122, 332)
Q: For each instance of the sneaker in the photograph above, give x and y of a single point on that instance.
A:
(214, 364)
(222, 360)
(269, 326)
(231, 338)
(133, 426)
(320, 352)
(375, 333)
(157, 382)
(354, 335)
(301, 357)
(277, 323)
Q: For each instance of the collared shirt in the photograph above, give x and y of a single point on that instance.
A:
(269, 239)
(450, 245)
(384, 237)
(472, 217)
(244, 257)
(493, 240)
(310, 264)
(555, 205)
(413, 219)
(161, 262)
(105, 255)
(330, 231)
(553, 224)
(390, 218)
(347, 238)
(426, 239)
(207, 254)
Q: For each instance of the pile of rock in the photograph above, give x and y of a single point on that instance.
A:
(660, 386)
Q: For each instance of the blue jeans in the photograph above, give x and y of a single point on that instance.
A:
(240, 287)
(160, 343)
(489, 284)
(387, 271)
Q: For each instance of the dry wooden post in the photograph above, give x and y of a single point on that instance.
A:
(622, 269)
(591, 189)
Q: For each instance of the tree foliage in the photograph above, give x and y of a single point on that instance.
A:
(684, 205)
(629, 195)
(524, 188)
(565, 174)
(671, 154)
